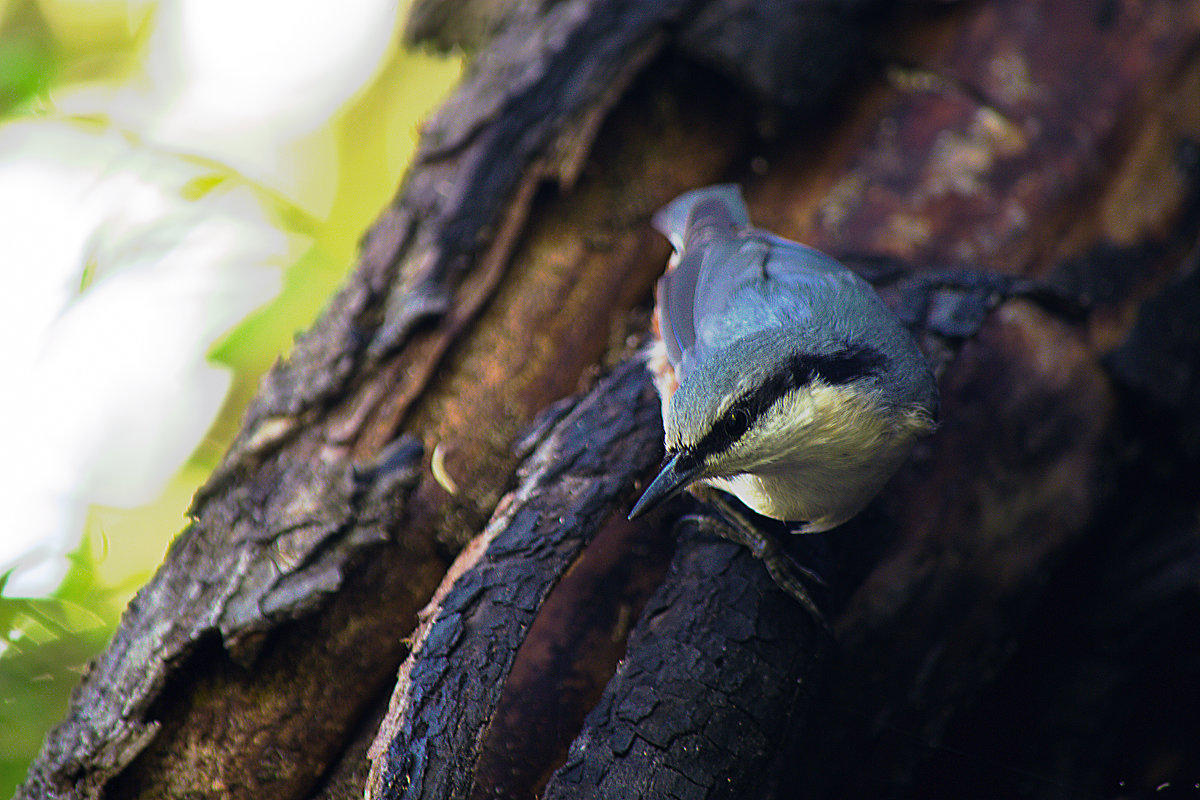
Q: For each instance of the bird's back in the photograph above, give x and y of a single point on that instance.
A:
(731, 281)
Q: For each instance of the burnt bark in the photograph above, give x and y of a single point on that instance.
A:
(1014, 616)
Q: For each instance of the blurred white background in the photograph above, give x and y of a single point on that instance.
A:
(182, 185)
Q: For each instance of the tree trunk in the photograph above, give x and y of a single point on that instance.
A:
(1014, 617)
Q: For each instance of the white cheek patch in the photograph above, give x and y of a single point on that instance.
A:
(815, 423)
(820, 456)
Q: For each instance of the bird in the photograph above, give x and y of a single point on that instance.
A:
(785, 380)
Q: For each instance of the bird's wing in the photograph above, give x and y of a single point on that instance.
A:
(728, 280)
(801, 270)
(700, 225)
(761, 281)
(674, 306)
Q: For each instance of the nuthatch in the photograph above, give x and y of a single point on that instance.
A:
(784, 378)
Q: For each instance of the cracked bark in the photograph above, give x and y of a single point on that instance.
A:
(1023, 592)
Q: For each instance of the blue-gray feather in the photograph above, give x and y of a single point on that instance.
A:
(735, 289)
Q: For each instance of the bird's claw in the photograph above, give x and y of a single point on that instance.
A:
(787, 574)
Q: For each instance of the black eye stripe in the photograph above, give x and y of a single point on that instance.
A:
(841, 367)
(837, 368)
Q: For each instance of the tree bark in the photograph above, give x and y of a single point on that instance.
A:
(1014, 617)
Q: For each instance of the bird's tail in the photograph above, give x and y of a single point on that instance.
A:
(701, 211)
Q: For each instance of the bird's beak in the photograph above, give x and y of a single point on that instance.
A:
(680, 470)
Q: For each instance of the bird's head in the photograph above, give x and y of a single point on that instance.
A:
(752, 404)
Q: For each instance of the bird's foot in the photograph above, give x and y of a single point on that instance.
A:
(788, 575)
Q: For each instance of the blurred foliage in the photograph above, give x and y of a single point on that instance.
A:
(46, 643)
(26, 65)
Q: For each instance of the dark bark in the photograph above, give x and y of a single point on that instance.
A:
(1024, 592)
(443, 719)
(712, 693)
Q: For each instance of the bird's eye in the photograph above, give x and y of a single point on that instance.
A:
(735, 423)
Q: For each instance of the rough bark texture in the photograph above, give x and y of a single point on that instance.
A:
(718, 676)
(1015, 617)
(464, 652)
